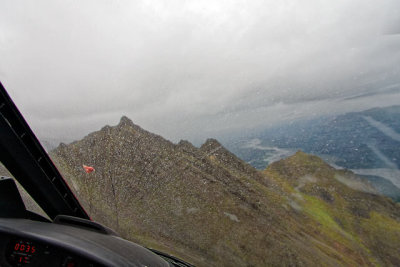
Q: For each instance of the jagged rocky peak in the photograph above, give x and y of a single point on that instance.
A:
(62, 145)
(106, 128)
(213, 147)
(126, 122)
(210, 145)
(187, 146)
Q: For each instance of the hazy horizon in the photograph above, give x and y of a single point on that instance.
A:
(192, 70)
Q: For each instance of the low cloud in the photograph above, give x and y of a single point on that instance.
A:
(189, 69)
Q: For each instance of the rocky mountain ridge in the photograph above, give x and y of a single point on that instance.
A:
(210, 208)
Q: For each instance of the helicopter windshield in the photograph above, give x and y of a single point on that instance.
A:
(244, 133)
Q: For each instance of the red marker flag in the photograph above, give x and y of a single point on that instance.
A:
(88, 169)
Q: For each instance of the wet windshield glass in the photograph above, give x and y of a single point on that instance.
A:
(245, 133)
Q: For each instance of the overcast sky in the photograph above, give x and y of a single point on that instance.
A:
(196, 69)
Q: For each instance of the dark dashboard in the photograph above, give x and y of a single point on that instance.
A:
(31, 243)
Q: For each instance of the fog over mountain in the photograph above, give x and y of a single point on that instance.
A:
(194, 69)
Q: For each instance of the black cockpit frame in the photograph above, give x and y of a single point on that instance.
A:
(25, 158)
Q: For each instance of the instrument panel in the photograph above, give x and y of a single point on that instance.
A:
(26, 243)
(21, 252)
